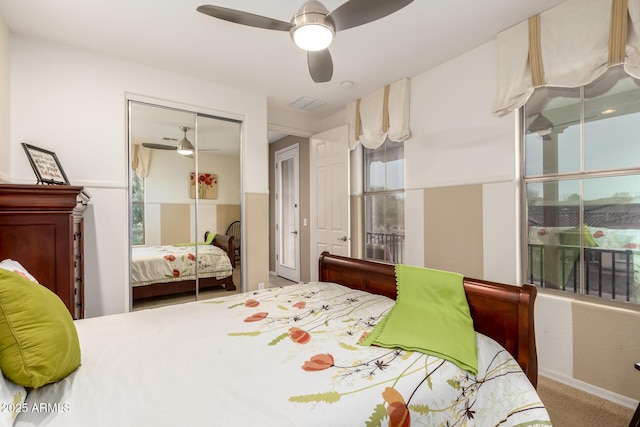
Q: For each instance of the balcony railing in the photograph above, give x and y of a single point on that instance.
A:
(385, 247)
(609, 272)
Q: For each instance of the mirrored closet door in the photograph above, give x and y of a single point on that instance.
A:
(184, 197)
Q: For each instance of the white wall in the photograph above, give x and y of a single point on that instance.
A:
(5, 165)
(168, 182)
(168, 178)
(72, 102)
(457, 141)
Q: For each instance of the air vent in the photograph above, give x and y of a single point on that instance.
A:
(307, 104)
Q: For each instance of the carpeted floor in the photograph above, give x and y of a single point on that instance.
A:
(569, 407)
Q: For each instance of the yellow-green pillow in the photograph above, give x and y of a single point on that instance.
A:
(38, 340)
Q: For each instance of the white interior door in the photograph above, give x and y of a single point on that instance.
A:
(287, 213)
(329, 195)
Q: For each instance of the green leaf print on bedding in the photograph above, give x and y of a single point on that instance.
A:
(329, 397)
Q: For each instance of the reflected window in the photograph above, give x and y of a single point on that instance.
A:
(384, 202)
(137, 210)
(582, 180)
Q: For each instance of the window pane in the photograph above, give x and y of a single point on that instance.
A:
(612, 216)
(137, 189)
(384, 167)
(384, 223)
(288, 203)
(137, 210)
(374, 169)
(394, 165)
(137, 224)
(612, 122)
(553, 213)
(552, 131)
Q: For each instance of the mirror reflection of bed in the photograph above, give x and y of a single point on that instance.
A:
(180, 213)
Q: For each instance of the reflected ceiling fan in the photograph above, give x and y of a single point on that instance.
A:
(184, 147)
(313, 27)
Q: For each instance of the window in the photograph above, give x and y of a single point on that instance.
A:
(582, 188)
(384, 202)
(137, 210)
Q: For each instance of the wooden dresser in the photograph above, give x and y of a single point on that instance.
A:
(42, 227)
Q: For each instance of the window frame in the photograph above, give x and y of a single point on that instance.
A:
(368, 193)
(581, 176)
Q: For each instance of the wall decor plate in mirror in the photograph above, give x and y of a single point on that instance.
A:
(45, 165)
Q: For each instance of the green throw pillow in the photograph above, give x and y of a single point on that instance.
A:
(38, 339)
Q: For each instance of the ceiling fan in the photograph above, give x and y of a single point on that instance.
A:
(313, 27)
(183, 147)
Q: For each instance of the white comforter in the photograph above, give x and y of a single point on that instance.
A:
(279, 357)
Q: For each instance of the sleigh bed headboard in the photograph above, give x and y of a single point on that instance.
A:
(500, 311)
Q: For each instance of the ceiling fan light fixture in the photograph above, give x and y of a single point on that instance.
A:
(310, 28)
(185, 147)
(312, 37)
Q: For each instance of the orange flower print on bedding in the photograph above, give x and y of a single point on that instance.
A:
(319, 362)
(191, 257)
(170, 258)
(176, 273)
(299, 336)
(251, 303)
(256, 317)
(396, 408)
(300, 304)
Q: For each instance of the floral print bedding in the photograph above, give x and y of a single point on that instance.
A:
(378, 386)
(277, 357)
(162, 264)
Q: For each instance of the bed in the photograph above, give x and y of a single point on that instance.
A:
(290, 356)
(170, 269)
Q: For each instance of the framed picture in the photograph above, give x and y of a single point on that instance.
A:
(45, 165)
(206, 185)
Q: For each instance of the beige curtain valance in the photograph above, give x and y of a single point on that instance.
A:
(140, 160)
(569, 45)
(384, 113)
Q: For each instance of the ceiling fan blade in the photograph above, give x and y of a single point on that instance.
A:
(320, 65)
(358, 12)
(244, 18)
(158, 146)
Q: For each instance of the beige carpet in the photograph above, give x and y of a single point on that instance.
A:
(569, 407)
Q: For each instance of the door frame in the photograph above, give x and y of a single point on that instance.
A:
(292, 151)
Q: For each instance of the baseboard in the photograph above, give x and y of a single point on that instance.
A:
(589, 388)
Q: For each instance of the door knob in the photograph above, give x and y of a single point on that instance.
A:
(343, 238)
(294, 232)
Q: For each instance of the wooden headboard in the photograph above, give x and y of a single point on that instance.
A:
(500, 311)
(227, 244)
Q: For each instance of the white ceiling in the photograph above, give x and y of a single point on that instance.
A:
(172, 35)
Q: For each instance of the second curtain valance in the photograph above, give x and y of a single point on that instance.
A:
(384, 113)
